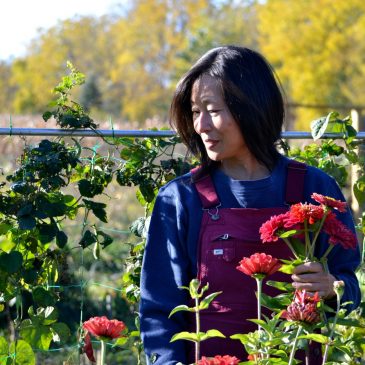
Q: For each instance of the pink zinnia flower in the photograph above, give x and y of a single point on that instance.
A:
(259, 263)
(270, 230)
(339, 233)
(303, 308)
(219, 360)
(330, 202)
(104, 327)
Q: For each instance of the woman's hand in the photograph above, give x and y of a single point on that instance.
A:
(311, 277)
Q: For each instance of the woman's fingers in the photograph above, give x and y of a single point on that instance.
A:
(312, 278)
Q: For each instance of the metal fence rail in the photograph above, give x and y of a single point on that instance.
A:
(138, 133)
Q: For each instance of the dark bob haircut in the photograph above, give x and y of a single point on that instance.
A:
(251, 93)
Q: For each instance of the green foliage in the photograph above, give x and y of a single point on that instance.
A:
(69, 114)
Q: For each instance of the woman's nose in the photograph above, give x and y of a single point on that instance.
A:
(202, 122)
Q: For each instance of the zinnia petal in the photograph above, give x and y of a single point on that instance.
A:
(330, 202)
(103, 327)
(259, 263)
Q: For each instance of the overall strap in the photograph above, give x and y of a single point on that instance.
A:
(206, 190)
(295, 182)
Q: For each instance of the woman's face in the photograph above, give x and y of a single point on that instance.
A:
(214, 123)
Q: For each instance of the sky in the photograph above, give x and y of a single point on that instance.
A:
(21, 19)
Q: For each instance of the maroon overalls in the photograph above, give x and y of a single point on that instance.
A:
(226, 236)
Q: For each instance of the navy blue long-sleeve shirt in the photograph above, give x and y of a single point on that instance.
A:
(170, 258)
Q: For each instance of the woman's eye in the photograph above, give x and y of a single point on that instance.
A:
(195, 113)
(213, 111)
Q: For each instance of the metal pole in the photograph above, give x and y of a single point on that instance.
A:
(138, 133)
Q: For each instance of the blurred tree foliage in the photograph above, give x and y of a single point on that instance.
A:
(317, 49)
(137, 54)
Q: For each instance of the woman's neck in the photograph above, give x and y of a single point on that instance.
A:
(250, 169)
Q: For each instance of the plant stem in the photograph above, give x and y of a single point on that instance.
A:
(325, 355)
(259, 291)
(292, 353)
(103, 352)
(317, 234)
(197, 323)
(307, 240)
(330, 247)
(291, 247)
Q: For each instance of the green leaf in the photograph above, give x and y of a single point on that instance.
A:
(4, 228)
(11, 262)
(61, 239)
(281, 285)
(180, 308)
(107, 240)
(319, 126)
(86, 188)
(47, 115)
(137, 226)
(38, 337)
(243, 337)
(97, 208)
(349, 322)
(87, 239)
(25, 210)
(26, 222)
(47, 315)
(316, 337)
(147, 191)
(121, 341)
(210, 334)
(185, 336)
(298, 246)
(287, 234)
(275, 303)
(43, 297)
(204, 304)
(47, 232)
(4, 351)
(30, 276)
(62, 330)
(23, 351)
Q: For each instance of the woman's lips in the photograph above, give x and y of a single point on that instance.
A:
(209, 143)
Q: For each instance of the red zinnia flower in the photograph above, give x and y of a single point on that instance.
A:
(303, 308)
(299, 213)
(219, 360)
(339, 233)
(270, 230)
(259, 263)
(103, 327)
(330, 202)
(88, 348)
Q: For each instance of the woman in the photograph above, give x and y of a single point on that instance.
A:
(229, 111)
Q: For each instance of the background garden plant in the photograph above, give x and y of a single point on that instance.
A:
(65, 180)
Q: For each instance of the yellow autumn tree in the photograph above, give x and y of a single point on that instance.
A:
(78, 40)
(317, 49)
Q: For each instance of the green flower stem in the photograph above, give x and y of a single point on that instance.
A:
(325, 355)
(287, 241)
(311, 253)
(292, 353)
(307, 240)
(259, 291)
(330, 247)
(103, 352)
(197, 324)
